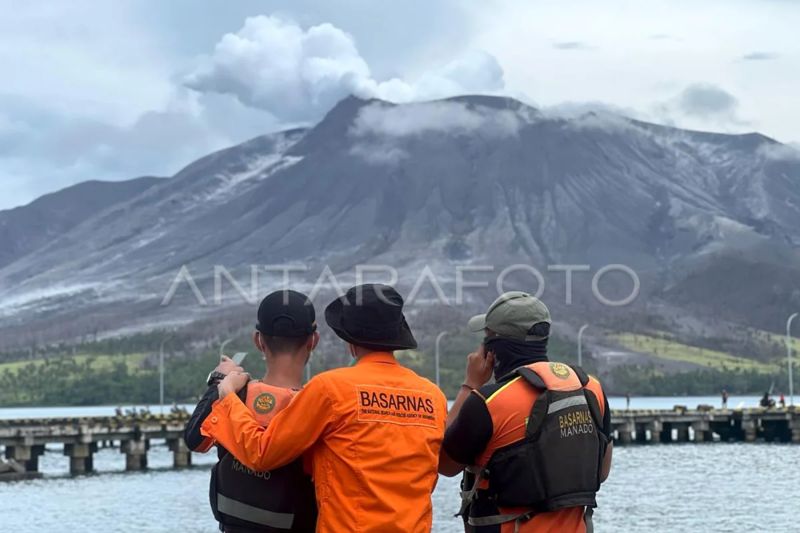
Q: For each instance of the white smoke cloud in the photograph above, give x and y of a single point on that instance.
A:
(379, 153)
(608, 122)
(297, 75)
(415, 119)
(780, 152)
(593, 116)
(379, 127)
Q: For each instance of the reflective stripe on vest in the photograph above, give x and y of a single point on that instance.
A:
(560, 405)
(252, 514)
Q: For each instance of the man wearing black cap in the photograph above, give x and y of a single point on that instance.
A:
(372, 431)
(243, 500)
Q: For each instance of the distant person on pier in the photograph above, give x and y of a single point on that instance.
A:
(724, 399)
(782, 401)
(372, 430)
(536, 443)
(628, 401)
(243, 500)
(766, 401)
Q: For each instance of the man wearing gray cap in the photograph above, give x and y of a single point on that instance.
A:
(535, 443)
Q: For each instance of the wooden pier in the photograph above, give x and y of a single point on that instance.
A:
(24, 440)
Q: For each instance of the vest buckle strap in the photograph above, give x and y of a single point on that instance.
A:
(495, 520)
(468, 496)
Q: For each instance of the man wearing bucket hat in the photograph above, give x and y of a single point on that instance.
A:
(536, 443)
(372, 431)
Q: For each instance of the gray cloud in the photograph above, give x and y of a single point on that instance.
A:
(572, 45)
(36, 146)
(707, 100)
(759, 56)
(702, 106)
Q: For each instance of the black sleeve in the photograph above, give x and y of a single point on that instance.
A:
(606, 417)
(470, 433)
(191, 433)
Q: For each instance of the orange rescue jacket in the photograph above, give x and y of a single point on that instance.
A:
(373, 432)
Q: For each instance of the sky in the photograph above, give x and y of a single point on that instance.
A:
(115, 90)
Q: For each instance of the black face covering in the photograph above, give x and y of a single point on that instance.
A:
(510, 354)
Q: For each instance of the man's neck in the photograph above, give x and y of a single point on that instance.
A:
(361, 352)
(504, 370)
(284, 371)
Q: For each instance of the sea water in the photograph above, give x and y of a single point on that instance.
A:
(706, 487)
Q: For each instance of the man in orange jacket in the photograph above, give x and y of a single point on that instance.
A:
(373, 430)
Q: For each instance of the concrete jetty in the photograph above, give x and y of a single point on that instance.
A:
(24, 440)
(706, 424)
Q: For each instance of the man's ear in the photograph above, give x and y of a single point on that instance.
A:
(257, 341)
(313, 341)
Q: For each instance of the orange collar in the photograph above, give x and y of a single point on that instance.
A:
(377, 357)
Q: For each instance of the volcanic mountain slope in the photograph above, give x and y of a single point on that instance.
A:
(24, 229)
(468, 180)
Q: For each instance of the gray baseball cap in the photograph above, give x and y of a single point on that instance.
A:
(514, 314)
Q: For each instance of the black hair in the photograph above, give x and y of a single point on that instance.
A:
(279, 345)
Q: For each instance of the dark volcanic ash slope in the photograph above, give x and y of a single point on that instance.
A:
(470, 179)
(24, 229)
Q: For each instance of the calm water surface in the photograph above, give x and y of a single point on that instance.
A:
(679, 487)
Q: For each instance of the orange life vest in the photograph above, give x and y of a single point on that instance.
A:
(542, 465)
(279, 500)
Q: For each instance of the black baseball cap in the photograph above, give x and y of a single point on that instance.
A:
(286, 313)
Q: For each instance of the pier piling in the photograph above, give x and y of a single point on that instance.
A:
(24, 440)
(135, 454)
(702, 431)
(794, 428)
(80, 457)
(181, 454)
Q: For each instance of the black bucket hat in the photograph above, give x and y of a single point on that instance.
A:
(371, 316)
